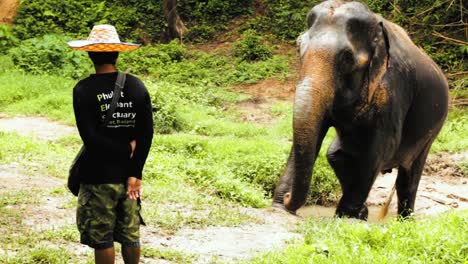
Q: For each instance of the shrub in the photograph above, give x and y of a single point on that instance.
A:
(7, 39)
(261, 170)
(201, 33)
(251, 47)
(165, 116)
(151, 59)
(50, 54)
(135, 21)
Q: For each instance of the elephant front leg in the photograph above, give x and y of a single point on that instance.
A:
(356, 176)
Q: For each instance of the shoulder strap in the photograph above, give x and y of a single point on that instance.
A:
(119, 85)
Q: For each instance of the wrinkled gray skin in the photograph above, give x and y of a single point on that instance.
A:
(386, 99)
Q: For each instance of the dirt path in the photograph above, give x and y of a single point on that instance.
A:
(8, 11)
(37, 127)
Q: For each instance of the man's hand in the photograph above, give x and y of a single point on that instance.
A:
(134, 188)
(133, 145)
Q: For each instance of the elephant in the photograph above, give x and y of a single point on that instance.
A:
(386, 99)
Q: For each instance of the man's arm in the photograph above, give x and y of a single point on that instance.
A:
(144, 137)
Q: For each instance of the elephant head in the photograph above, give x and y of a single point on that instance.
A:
(344, 55)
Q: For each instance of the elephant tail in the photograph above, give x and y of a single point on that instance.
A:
(384, 211)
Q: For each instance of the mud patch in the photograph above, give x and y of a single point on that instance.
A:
(37, 127)
(443, 164)
(440, 190)
(44, 213)
(436, 194)
(13, 178)
(229, 243)
(256, 110)
(268, 89)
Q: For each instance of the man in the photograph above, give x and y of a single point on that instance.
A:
(111, 169)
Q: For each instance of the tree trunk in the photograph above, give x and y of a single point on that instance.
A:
(176, 27)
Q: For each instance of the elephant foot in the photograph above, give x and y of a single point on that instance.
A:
(360, 213)
(282, 208)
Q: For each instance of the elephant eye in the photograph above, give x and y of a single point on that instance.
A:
(346, 61)
(311, 17)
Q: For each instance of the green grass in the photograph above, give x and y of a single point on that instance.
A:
(452, 138)
(37, 157)
(169, 255)
(440, 239)
(44, 95)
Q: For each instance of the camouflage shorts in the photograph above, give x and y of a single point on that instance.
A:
(105, 214)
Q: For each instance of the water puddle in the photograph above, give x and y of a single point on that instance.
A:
(318, 211)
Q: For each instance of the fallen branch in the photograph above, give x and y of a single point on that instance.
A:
(456, 74)
(456, 24)
(432, 8)
(456, 41)
(440, 201)
(454, 196)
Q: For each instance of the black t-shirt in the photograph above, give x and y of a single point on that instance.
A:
(107, 156)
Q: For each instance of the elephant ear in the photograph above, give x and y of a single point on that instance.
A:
(379, 62)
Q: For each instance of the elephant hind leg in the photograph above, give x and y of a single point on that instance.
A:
(407, 183)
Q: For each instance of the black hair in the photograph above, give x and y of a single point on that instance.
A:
(100, 58)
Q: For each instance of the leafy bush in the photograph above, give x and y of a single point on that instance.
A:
(251, 47)
(136, 21)
(141, 21)
(7, 39)
(201, 33)
(166, 119)
(262, 170)
(50, 54)
(150, 59)
(205, 17)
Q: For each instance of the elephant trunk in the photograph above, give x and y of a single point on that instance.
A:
(313, 98)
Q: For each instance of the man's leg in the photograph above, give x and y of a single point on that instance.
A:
(104, 256)
(131, 255)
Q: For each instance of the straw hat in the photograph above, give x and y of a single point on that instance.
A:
(103, 38)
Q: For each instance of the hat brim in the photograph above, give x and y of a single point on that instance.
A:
(86, 45)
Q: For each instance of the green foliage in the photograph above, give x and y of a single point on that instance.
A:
(39, 255)
(251, 47)
(6, 64)
(50, 54)
(169, 254)
(203, 18)
(141, 21)
(440, 239)
(150, 59)
(166, 119)
(7, 39)
(200, 162)
(173, 63)
(201, 33)
(285, 18)
(452, 137)
(40, 157)
(135, 21)
(37, 95)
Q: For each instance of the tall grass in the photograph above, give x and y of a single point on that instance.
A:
(439, 239)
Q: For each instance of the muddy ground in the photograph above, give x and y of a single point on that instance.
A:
(441, 189)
